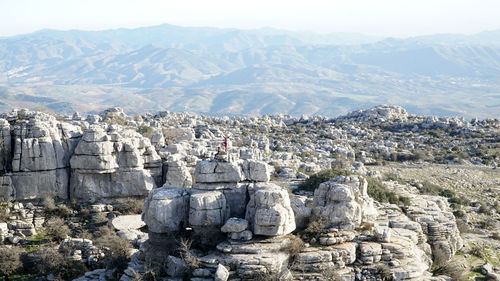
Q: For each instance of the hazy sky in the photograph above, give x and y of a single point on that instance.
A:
(377, 17)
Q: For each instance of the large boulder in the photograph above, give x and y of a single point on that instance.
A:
(217, 172)
(165, 209)
(207, 209)
(344, 202)
(254, 170)
(269, 211)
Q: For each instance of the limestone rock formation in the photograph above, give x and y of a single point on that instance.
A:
(35, 154)
(344, 202)
(269, 211)
(113, 164)
(165, 210)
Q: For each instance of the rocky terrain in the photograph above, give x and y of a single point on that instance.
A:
(376, 194)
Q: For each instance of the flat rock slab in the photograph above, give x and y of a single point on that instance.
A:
(127, 222)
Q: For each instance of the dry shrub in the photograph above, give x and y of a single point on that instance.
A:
(192, 262)
(295, 245)
(330, 274)
(462, 226)
(495, 235)
(116, 249)
(478, 250)
(56, 229)
(130, 207)
(385, 272)
(51, 210)
(452, 269)
(315, 228)
(52, 261)
(10, 260)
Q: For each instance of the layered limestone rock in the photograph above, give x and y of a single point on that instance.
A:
(165, 210)
(207, 209)
(438, 223)
(35, 153)
(269, 211)
(344, 202)
(217, 172)
(113, 164)
(177, 173)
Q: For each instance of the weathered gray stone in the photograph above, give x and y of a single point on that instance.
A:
(165, 209)
(235, 225)
(221, 274)
(269, 211)
(207, 209)
(217, 172)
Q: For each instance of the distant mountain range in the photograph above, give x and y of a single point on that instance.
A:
(231, 71)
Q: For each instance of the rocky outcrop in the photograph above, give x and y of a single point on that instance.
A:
(34, 157)
(165, 210)
(344, 202)
(438, 223)
(113, 164)
(269, 211)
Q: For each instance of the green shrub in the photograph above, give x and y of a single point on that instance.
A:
(56, 229)
(379, 192)
(315, 180)
(459, 214)
(146, 131)
(447, 193)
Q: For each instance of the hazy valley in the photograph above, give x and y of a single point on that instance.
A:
(230, 71)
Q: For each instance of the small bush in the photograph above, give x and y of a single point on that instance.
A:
(459, 214)
(322, 176)
(51, 210)
(483, 209)
(116, 250)
(462, 226)
(10, 260)
(451, 269)
(315, 228)
(495, 235)
(130, 207)
(379, 192)
(330, 274)
(4, 216)
(385, 272)
(52, 261)
(430, 188)
(56, 229)
(146, 131)
(478, 250)
(295, 245)
(192, 262)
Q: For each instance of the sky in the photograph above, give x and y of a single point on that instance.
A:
(396, 18)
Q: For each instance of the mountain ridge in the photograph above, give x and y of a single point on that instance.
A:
(196, 68)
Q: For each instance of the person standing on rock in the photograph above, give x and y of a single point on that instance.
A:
(225, 143)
